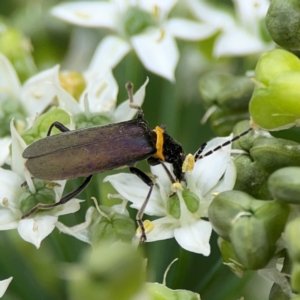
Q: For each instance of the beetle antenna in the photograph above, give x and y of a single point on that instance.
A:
(129, 88)
(198, 155)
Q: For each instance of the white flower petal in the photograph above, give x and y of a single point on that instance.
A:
(225, 184)
(109, 53)
(162, 177)
(210, 14)
(34, 230)
(250, 12)
(209, 170)
(79, 231)
(10, 186)
(4, 285)
(135, 190)
(69, 207)
(66, 101)
(237, 42)
(8, 220)
(37, 93)
(124, 112)
(9, 81)
(158, 52)
(102, 90)
(163, 6)
(90, 14)
(228, 180)
(5, 143)
(190, 30)
(18, 146)
(163, 229)
(194, 237)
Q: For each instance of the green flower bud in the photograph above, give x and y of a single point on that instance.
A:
(93, 119)
(107, 272)
(252, 226)
(158, 291)
(251, 177)
(136, 20)
(43, 194)
(229, 95)
(245, 142)
(11, 108)
(191, 200)
(16, 47)
(224, 209)
(41, 125)
(223, 121)
(292, 232)
(273, 153)
(229, 258)
(283, 23)
(111, 226)
(275, 101)
(74, 83)
(284, 185)
(173, 206)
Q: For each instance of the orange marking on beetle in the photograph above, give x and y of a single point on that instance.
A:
(159, 143)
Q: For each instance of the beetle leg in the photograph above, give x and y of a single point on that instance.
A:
(63, 200)
(146, 179)
(59, 126)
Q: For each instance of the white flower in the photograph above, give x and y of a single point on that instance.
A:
(240, 34)
(4, 285)
(36, 227)
(100, 96)
(152, 36)
(215, 173)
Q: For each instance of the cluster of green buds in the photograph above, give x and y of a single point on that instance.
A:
(226, 98)
(259, 218)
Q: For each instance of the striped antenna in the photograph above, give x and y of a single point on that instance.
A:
(198, 155)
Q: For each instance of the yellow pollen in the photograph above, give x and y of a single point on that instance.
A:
(161, 37)
(5, 201)
(148, 225)
(176, 187)
(82, 15)
(188, 164)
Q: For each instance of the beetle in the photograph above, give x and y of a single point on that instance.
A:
(84, 152)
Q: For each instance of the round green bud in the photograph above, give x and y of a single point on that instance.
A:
(274, 153)
(229, 95)
(136, 20)
(251, 178)
(42, 124)
(252, 226)
(108, 272)
(284, 185)
(93, 119)
(173, 206)
(43, 194)
(111, 226)
(158, 291)
(283, 23)
(292, 233)
(275, 103)
(229, 258)
(191, 200)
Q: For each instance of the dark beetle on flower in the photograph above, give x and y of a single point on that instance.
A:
(84, 152)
